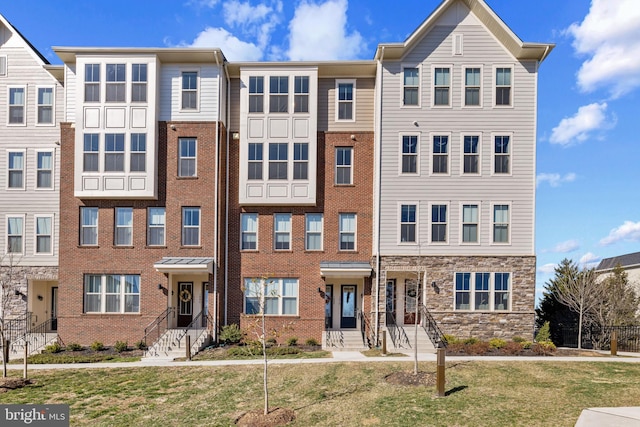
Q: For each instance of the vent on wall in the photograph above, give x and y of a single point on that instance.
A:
(3, 66)
(457, 44)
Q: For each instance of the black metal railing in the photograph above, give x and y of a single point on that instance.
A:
(396, 333)
(38, 336)
(598, 338)
(15, 329)
(199, 324)
(366, 329)
(159, 326)
(430, 326)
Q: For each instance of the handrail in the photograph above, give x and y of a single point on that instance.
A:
(365, 328)
(430, 326)
(202, 318)
(157, 325)
(396, 333)
(17, 328)
(38, 335)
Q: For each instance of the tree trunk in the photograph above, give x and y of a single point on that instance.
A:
(5, 352)
(264, 355)
(415, 334)
(580, 330)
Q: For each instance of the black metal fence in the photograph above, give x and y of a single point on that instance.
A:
(597, 338)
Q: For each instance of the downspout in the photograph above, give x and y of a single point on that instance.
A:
(226, 205)
(216, 210)
(379, 191)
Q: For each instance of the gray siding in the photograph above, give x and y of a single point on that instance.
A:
(234, 107)
(70, 91)
(364, 105)
(170, 93)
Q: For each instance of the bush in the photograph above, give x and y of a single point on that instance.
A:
(513, 348)
(479, 348)
(544, 348)
(497, 343)
(456, 347)
(97, 346)
(140, 345)
(292, 341)
(471, 341)
(311, 342)
(53, 348)
(272, 341)
(231, 334)
(450, 339)
(121, 346)
(518, 339)
(526, 345)
(544, 334)
(73, 346)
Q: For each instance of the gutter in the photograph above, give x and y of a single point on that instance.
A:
(226, 207)
(379, 192)
(216, 215)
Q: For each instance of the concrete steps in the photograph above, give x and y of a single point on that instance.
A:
(404, 342)
(172, 344)
(37, 343)
(345, 340)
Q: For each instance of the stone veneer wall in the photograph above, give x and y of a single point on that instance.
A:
(17, 304)
(519, 321)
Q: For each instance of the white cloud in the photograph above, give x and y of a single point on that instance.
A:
(565, 247)
(236, 13)
(610, 36)
(203, 3)
(589, 118)
(318, 31)
(627, 231)
(547, 269)
(589, 260)
(254, 22)
(555, 179)
(233, 48)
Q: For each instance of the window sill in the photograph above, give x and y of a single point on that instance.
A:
(344, 185)
(88, 246)
(314, 251)
(122, 247)
(155, 247)
(186, 177)
(96, 313)
(190, 247)
(252, 251)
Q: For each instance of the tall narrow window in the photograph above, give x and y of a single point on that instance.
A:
(440, 154)
(16, 106)
(501, 161)
(15, 238)
(313, 239)
(116, 77)
(88, 226)
(43, 235)
(44, 178)
(114, 152)
(501, 224)
(344, 165)
(189, 90)
(92, 83)
(249, 233)
(411, 86)
(347, 231)
(92, 293)
(441, 86)
(438, 223)
(463, 291)
(156, 218)
(16, 169)
(409, 154)
(91, 152)
(471, 155)
(481, 297)
(255, 161)
(408, 223)
(472, 86)
(191, 226)
(138, 154)
(470, 223)
(279, 94)
(124, 227)
(301, 94)
(503, 86)
(112, 294)
(3, 65)
(501, 294)
(282, 231)
(45, 105)
(187, 157)
(138, 82)
(300, 160)
(256, 94)
(278, 160)
(346, 100)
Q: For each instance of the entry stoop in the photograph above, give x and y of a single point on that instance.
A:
(172, 344)
(343, 341)
(405, 341)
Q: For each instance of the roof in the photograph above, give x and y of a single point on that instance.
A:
(345, 269)
(628, 260)
(519, 49)
(184, 265)
(164, 54)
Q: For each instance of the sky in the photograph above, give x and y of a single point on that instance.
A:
(588, 163)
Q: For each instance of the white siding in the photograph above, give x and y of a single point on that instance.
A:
(171, 87)
(70, 93)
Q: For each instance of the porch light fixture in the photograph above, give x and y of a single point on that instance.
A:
(40, 297)
(159, 285)
(18, 293)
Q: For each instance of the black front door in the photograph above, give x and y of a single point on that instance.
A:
(328, 307)
(185, 303)
(348, 307)
(54, 308)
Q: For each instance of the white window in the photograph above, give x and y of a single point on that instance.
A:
(189, 90)
(3, 65)
(439, 223)
(411, 86)
(501, 291)
(190, 226)
(282, 231)
(347, 231)
(300, 160)
(249, 232)
(88, 226)
(301, 94)
(441, 86)
(482, 291)
(440, 154)
(111, 293)
(15, 234)
(501, 154)
(91, 153)
(472, 86)
(124, 227)
(313, 227)
(256, 94)
(344, 162)
(501, 223)
(463, 291)
(114, 152)
(92, 83)
(471, 154)
(345, 100)
(138, 82)
(410, 154)
(278, 156)
(116, 82)
(17, 101)
(255, 161)
(44, 234)
(278, 94)
(15, 170)
(156, 218)
(278, 296)
(138, 154)
(408, 223)
(470, 223)
(187, 156)
(44, 111)
(44, 169)
(503, 86)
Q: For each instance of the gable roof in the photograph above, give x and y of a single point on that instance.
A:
(519, 49)
(627, 260)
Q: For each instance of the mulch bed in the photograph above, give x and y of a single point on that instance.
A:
(7, 384)
(275, 417)
(409, 378)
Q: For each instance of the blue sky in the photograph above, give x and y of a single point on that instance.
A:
(588, 204)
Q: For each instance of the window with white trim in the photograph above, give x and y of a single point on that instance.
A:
(116, 83)
(500, 223)
(92, 83)
(278, 157)
(346, 105)
(408, 223)
(44, 234)
(256, 94)
(347, 231)
(278, 94)
(138, 82)
(114, 152)
(503, 86)
(282, 231)
(138, 153)
(88, 226)
(410, 154)
(249, 231)
(410, 86)
(189, 90)
(254, 168)
(187, 156)
(344, 161)
(15, 234)
(15, 170)
(301, 94)
(3, 65)
(156, 223)
(91, 153)
(44, 169)
(44, 108)
(440, 154)
(438, 223)
(191, 226)
(300, 160)
(111, 293)
(501, 155)
(471, 154)
(463, 291)
(501, 291)
(278, 296)
(442, 86)
(482, 291)
(17, 101)
(472, 86)
(123, 227)
(470, 223)
(313, 229)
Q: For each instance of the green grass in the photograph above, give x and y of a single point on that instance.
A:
(337, 394)
(249, 353)
(46, 358)
(375, 352)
